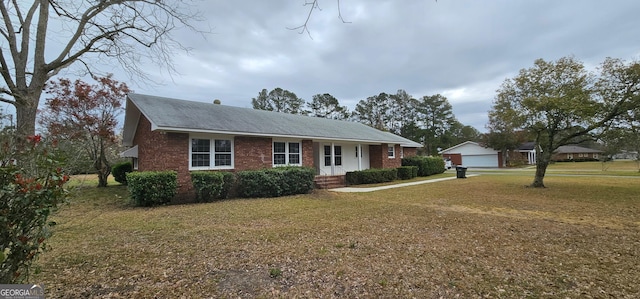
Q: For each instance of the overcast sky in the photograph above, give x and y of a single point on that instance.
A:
(462, 49)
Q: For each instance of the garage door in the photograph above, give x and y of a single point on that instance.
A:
(480, 161)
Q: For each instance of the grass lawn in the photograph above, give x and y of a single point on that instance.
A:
(486, 236)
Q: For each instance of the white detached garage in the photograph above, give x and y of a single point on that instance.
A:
(472, 154)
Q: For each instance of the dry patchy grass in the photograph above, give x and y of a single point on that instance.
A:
(481, 237)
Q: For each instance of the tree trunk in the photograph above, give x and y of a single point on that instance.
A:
(26, 109)
(542, 161)
(103, 167)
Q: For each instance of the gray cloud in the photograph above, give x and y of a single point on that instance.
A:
(461, 49)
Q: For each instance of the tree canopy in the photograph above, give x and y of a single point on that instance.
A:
(94, 31)
(278, 100)
(78, 111)
(560, 102)
(327, 106)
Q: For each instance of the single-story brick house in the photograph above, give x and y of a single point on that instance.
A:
(576, 153)
(172, 134)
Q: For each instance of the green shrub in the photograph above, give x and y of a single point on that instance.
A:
(407, 172)
(228, 181)
(31, 191)
(296, 180)
(275, 182)
(426, 165)
(208, 185)
(152, 188)
(120, 170)
(371, 176)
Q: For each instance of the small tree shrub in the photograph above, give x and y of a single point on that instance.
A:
(208, 185)
(371, 176)
(426, 165)
(275, 182)
(407, 172)
(120, 170)
(31, 189)
(152, 188)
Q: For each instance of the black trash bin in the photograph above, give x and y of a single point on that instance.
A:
(461, 172)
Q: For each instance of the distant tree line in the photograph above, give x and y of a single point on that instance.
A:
(428, 120)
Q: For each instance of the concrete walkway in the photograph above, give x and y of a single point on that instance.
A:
(371, 189)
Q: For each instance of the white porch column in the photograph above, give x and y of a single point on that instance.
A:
(532, 157)
(333, 159)
(359, 156)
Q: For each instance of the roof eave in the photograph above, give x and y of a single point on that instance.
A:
(238, 133)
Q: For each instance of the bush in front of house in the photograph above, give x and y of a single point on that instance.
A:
(152, 188)
(228, 181)
(120, 170)
(275, 182)
(426, 165)
(296, 180)
(371, 176)
(207, 184)
(407, 172)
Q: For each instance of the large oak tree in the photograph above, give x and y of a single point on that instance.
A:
(560, 102)
(43, 37)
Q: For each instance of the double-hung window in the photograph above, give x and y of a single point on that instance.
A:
(391, 151)
(337, 155)
(214, 153)
(287, 153)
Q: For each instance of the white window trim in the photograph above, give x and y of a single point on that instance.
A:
(212, 153)
(286, 152)
(393, 151)
(333, 155)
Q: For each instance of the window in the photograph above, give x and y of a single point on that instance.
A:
(200, 152)
(222, 152)
(203, 150)
(337, 155)
(135, 163)
(327, 155)
(595, 156)
(357, 151)
(391, 151)
(286, 153)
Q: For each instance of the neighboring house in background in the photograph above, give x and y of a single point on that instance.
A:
(576, 153)
(626, 155)
(185, 136)
(472, 154)
(527, 152)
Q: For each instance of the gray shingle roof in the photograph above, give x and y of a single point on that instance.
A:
(190, 116)
(574, 149)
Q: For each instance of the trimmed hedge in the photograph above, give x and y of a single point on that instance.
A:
(279, 181)
(228, 181)
(371, 176)
(211, 185)
(407, 172)
(426, 165)
(152, 188)
(207, 184)
(120, 170)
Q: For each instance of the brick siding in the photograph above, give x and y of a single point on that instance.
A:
(158, 151)
(378, 157)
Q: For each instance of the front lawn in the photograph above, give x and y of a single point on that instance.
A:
(480, 237)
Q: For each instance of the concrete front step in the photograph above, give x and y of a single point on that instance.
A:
(329, 181)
